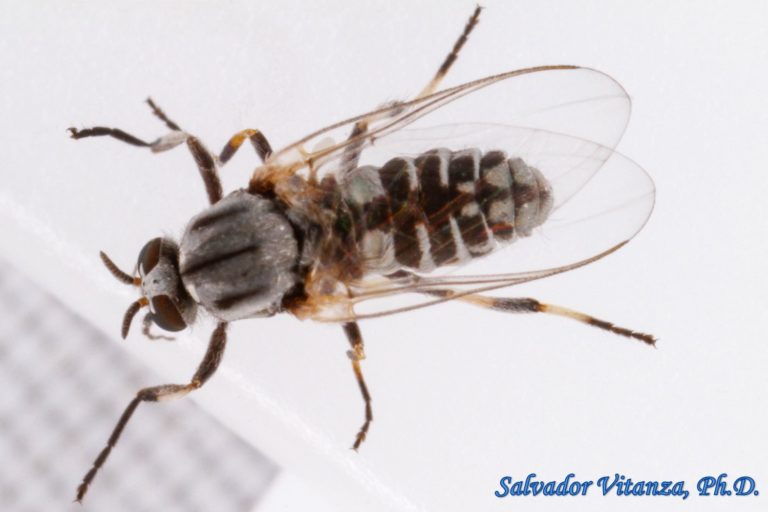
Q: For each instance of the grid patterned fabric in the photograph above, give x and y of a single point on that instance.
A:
(63, 387)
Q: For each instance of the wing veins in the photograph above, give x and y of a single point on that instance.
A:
(493, 281)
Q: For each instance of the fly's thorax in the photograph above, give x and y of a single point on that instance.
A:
(239, 258)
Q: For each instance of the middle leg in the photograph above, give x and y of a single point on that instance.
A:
(258, 141)
(356, 355)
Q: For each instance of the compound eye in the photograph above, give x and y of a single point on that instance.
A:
(149, 256)
(166, 315)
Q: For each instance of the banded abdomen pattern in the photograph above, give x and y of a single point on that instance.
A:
(442, 207)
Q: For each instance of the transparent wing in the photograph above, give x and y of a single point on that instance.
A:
(580, 102)
(376, 296)
(563, 120)
(602, 199)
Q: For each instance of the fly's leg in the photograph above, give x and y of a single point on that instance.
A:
(258, 140)
(161, 116)
(451, 58)
(354, 146)
(355, 140)
(527, 305)
(203, 158)
(356, 355)
(169, 141)
(146, 330)
(204, 372)
(207, 167)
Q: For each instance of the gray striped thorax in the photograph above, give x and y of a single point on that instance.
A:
(443, 207)
(238, 258)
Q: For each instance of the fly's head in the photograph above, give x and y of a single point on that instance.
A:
(170, 306)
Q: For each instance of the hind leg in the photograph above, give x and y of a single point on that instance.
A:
(352, 151)
(527, 305)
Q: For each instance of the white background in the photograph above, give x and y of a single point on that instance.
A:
(461, 396)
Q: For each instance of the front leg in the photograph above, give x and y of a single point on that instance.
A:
(164, 143)
(205, 161)
(205, 370)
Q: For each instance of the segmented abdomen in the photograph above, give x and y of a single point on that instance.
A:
(442, 208)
